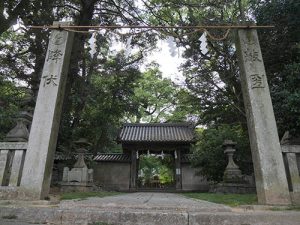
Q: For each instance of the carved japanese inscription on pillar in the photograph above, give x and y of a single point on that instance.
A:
(257, 80)
(50, 79)
(43, 135)
(252, 56)
(271, 182)
(54, 56)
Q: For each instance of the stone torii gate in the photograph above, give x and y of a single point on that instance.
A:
(38, 164)
(271, 181)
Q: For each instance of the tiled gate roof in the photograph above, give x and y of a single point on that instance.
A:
(156, 132)
(112, 157)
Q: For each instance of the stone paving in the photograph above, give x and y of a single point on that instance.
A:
(139, 209)
(146, 201)
(16, 222)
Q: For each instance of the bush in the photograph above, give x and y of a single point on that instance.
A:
(208, 153)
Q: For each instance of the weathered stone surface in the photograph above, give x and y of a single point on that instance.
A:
(294, 171)
(77, 187)
(85, 217)
(290, 149)
(88, 217)
(191, 180)
(232, 188)
(18, 222)
(112, 175)
(295, 196)
(80, 163)
(3, 165)
(43, 135)
(141, 209)
(288, 139)
(79, 173)
(232, 173)
(18, 133)
(17, 167)
(7, 192)
(80, 178)
(253, 218)
(146, 201)
(13, 145)
(34, 215)
(271, 181)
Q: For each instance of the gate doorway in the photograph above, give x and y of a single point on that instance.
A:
(163, 144)
(156, 171)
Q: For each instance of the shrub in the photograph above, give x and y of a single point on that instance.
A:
(208, 153)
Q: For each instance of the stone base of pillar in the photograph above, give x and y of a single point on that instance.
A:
(16, 193)
(8, 193)
(295, 196)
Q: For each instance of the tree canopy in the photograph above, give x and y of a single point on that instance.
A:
(108, 83)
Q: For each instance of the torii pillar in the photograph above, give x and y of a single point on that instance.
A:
(37, 171)
(270, 176)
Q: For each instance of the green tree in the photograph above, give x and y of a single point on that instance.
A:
(154, 97)
(150, 166)
(10, 11)
(24, 54)
(109, 98)
(281, 52)
(10, 98)
(211, 78)
(208, 153)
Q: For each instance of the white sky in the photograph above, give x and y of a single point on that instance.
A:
(167, 55)
(169, 58)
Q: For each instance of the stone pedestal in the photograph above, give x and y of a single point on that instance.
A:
(80, 178)
(38, 164)
(232, 172)
(271, 181)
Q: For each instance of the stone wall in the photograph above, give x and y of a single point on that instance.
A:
(191, 181)
(58, 169)
(116, 176)
(291, 155)
(112, 175)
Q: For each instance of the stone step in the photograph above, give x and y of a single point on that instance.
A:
(88, 216)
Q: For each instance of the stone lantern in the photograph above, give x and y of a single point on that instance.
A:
(20, 133)
(233, 180)
(232, 172)
(12, 159)
(79, 178)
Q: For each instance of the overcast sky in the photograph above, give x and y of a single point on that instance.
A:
(169, 58)
(167, 55)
